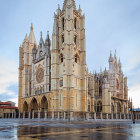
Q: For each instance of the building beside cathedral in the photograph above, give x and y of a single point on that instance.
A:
(53, 77)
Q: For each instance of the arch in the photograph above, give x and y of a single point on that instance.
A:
(118, 107)
(25, 107)
(61, 58)
(63, 39)
(34, 105)
(77, 58)
(112, 107)
(44, 103)
(99, 106)
(75, 22)
(63, 23)
(75, 40)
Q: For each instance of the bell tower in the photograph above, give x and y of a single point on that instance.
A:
(68, 59)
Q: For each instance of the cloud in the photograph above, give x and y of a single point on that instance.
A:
(8, 78)
(134, 92)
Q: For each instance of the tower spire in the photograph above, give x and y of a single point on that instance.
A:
(69, 3)
(32, 36)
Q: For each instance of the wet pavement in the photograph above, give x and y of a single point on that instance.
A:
(19, 129)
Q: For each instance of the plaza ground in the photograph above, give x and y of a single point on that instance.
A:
(39, 129)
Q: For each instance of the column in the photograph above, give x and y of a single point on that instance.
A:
(58, 116)
(52, 114)
(87, 116)
(95, 115)
(19, 115)
(71, 115)
(101, 115)
(124, 117)
(29, 115)
(107, 116)
(9, 115)
(38, 114)
(64, 115)
(45, 114)
(33, 115)
(23, 115)
(120, 116)
(116, 116)
(12, 115)
(112, 116)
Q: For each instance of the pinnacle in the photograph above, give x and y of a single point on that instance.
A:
(70, 2)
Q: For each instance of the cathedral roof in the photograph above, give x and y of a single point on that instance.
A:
(69, 2)
(32, 36)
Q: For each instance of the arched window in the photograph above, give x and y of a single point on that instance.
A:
(63, 23)
(75, 40)
(88, 106)
(76, 58)
(75, 21)
(117, 84)
(40, 54)
(99, 106)
(61, 58)
(62, 39)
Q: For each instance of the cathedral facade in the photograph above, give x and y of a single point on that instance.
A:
(54, 77)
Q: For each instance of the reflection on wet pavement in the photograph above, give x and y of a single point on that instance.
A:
(50, 130)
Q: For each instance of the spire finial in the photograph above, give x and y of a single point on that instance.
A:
(58, 7)
(41, 34)
(32, 27)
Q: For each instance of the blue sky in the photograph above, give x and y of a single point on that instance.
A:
(110, 25)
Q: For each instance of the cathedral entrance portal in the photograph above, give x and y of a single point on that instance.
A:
(44, 106)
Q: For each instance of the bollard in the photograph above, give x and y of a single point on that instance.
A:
(64, 115)
(19, 115)
(101, 116)
(112, 116)
(107, 116)
(38, 114)
(52, 115)
(71, 115)
(95, 116)
(58, 117)
(33, 115)
(45, 114)
(87, 116)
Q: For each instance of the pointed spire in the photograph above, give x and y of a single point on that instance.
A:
(31, 35)
(48, 41)
(119, 63)
(26, 37)
(32, 27)
(115, 55)
(58, 10)
(41, 39)
(79, 10)
(69, 3)
(110, 57)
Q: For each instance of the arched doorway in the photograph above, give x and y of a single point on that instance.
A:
(118, 107)
(44, 106)
(34, 105)
(25, 107)
(44, 103)
(99, 106)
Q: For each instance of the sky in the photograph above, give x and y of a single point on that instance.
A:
(110, 25)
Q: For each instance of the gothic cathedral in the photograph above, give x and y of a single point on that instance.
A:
(57, 79)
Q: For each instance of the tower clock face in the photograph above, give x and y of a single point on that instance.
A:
(40, 75)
